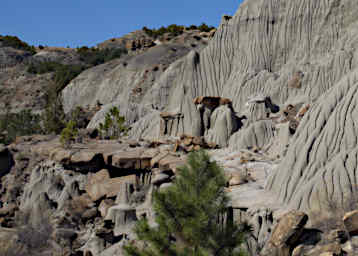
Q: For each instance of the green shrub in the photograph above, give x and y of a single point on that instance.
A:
(19, 124)
(205, 28)
(69, 134)
(43, 67)
(175, 30)
(94, 56)
(15, 42)
(192, 27)
(113, 126)
(188, 215)
(80, 116)
(65, 74)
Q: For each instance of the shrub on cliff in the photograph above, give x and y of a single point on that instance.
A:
(205, 28)
(175, 30)
(43, 67)
(188, 215)
(94, 56)
(64, 75)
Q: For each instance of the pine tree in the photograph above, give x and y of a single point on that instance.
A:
(188, 215)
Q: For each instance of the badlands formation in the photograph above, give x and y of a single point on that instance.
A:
(272, 97)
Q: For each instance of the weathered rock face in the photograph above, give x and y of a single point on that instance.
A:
(289, 51)
(320, 169)
(49, 188)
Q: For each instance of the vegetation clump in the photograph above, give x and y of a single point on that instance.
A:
(63, 73)
(190, 214)
(15, 42)
(69, 134)
(175, 30)
(94, 56)
(113, 126)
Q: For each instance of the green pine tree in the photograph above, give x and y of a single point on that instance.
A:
(188, 216)
(69, 134)
(114, 125)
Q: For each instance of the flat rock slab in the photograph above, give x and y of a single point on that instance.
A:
(251, 195)
(83, 156)
(100, 184)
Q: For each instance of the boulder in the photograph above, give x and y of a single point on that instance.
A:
(237, 178)
(286, 234)
(350, 221)
(330, 249)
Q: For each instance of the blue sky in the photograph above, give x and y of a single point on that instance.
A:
(87, 22)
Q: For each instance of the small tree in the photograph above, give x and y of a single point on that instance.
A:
(69, 134)
(114, 125)
(188, 214)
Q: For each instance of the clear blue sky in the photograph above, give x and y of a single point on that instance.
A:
(88, 22)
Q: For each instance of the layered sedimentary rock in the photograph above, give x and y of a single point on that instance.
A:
(320, 169)
(289, 51)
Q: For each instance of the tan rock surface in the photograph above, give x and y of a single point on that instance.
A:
(350, 221)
